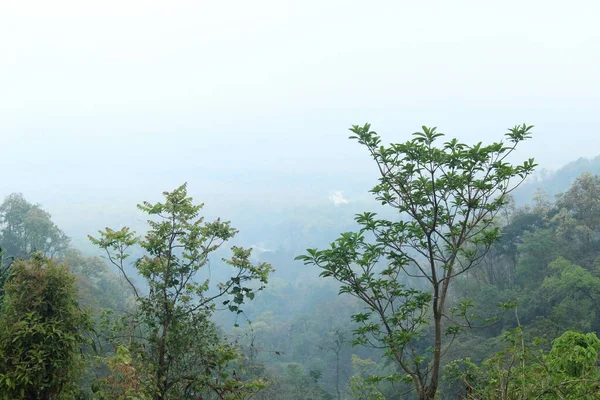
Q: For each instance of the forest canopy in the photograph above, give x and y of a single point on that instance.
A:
(450, 288)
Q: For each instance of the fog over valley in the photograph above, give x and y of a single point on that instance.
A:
(367, 257)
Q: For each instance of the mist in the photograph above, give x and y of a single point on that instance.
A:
(250, 103)
(107, 104)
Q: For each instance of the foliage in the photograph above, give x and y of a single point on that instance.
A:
(172, 325)
(573, 294)
(547, 257)
(362, 385)
(297, 384)
(99, 288)
(519, 372)
(26, 228)
(558, 286)
(446, 198)
(42, 330)
(583, 200)
(536, 252)
(4, 277)
(126, 381)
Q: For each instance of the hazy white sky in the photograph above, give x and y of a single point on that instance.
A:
(101, 100)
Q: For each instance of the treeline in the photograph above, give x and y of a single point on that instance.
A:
(545, 267)
(70, 329)
(547, 263)
(461, 293)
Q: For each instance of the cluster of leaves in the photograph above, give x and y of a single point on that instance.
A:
(125, 381)
(548, 258)
(27, 228)
(171, 323)
(446, 198)
(42, 331)
(519, 372)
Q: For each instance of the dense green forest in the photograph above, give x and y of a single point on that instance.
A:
(471, 280)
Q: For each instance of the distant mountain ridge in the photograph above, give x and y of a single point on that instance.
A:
(555, 182)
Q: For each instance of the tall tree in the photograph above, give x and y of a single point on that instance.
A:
(41, 331)
(447, 198)
(26, 227)
(183, 349)
(336, 342)
(582, 200)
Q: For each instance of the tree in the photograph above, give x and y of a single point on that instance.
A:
(572, 294)
(125, 381)
(576, 220)
(336, 342)
(522, 371)
(172, 322)
(4, 276)
(447, 198)
(26, 227)
(499, 266)
(362, 384)
(538, 248)
(583, 200)
(296, 384)
(42, 330)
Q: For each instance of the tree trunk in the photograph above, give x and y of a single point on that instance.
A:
(428, 393)
(337, 375)
(161, 379)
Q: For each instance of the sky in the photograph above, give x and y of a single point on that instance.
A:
(107, 103)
